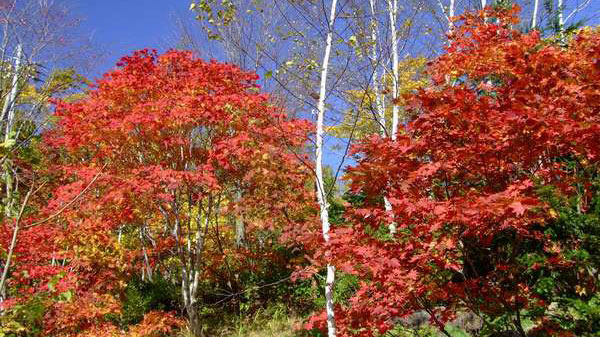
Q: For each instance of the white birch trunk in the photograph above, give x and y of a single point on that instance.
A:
(561, 21)
(146, 268)
(378, 96)
(375, 62)
(7, 108)
(240, 227)
(393, 10)
(536, 5)
(8, 112)
(191, 276)
(448, 13)
(321, 194)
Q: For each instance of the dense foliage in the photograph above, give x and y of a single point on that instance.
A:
(494, 189)
(171, 166)
(174, 198)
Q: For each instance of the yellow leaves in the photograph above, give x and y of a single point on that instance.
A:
(11, 327)
(59, 82)
(363, 120)
(9, 143)
(410, 75)
(352, 40)
(581, 291)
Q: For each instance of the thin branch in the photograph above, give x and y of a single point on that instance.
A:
(67, 205)
(13, 242)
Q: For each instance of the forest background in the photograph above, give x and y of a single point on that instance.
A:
(362, 168)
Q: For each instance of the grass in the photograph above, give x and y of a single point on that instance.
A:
(274, 321)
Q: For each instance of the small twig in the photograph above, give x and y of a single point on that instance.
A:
(428, 309)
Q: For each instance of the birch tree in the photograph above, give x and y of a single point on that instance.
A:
(321, 193)
(375, 62)
(560, 19)
(534, 14)
(8, 117)
(393, 13)
(448, 13)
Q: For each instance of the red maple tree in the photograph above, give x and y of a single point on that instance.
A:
(166, 149)
(506, 115)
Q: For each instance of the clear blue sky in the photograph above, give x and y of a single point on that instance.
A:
(119, 27)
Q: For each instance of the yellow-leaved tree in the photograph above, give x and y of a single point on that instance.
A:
(362, 120)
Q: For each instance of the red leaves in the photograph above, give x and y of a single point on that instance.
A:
(156, 324)
(503, 113)
(517, 207)
(181, 141)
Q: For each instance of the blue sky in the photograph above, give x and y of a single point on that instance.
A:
(119, 27)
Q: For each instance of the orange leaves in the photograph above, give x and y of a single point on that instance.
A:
(505, 115)
(185, 145)
(156, 324)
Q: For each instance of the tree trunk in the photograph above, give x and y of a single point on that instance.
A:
(560, 18)
(536, 4)
(13, 245)
(7, 108)
(375, 63)
(321, 193)
(8, 112)
(240, 227)
(189, 287)
(393, 10)
(146, 268)
(448, 14)
(9, 202)
(378, 96)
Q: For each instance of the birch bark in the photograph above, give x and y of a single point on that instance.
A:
(321, 194)
(377, 92)
(393, 13)
(561, 21)
(375, 63)
(8, 113)
(393, 10)
(240, 227)
(536, 4)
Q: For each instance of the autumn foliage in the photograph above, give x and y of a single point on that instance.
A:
(173, 191)
(504, 143)
(148, 172)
